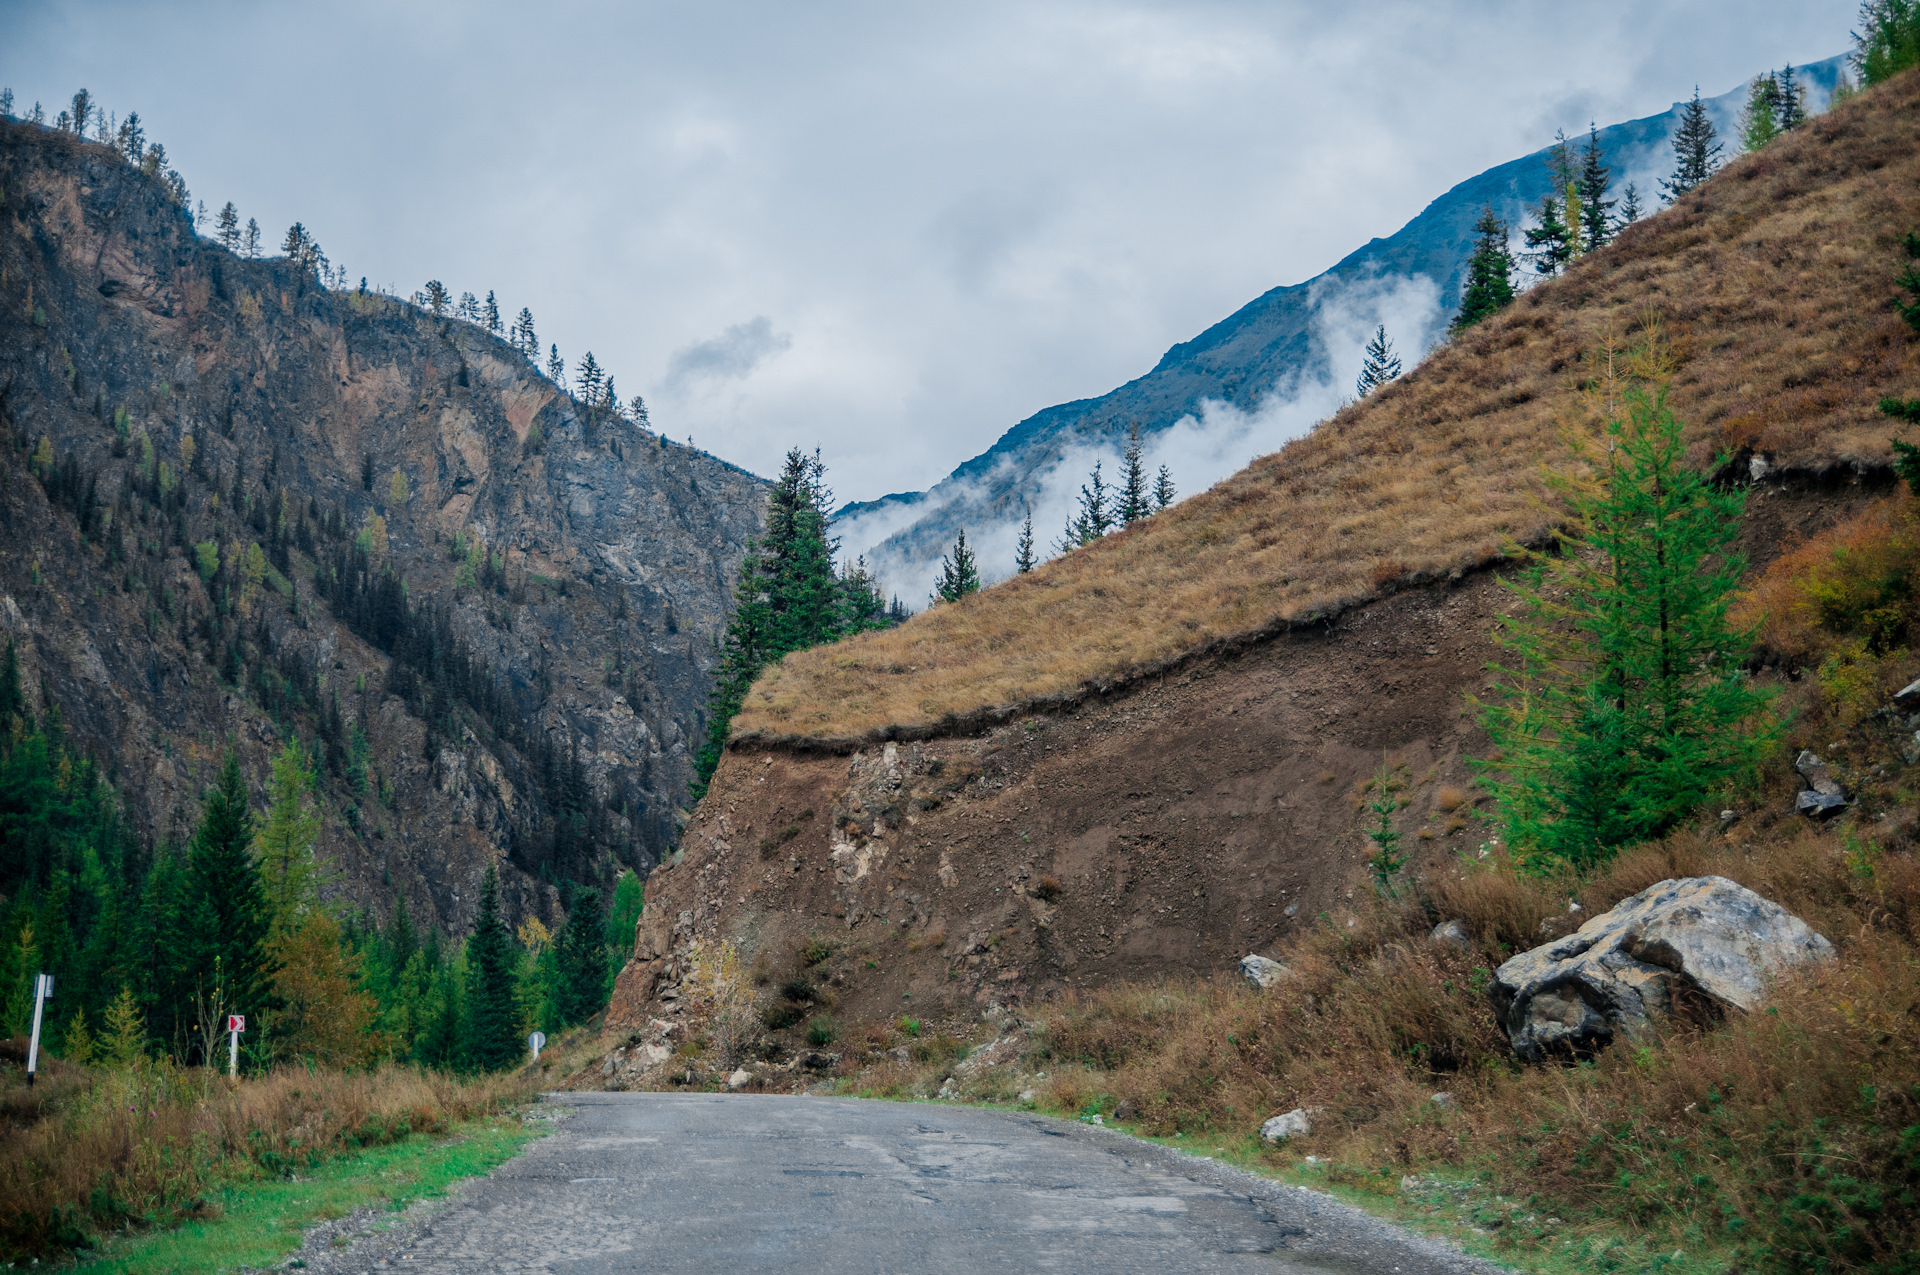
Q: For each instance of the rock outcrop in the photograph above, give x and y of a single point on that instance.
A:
(1263, 972)
(1619, 972)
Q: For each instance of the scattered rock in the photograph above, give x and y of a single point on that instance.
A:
(1820, 805)
(947, 1091)
(1451, 934)
(813, 1060)
(1823, 797)
(1291, 1124)
(1758, 467)
(1618, 971)
(1026, 1095)
(1908, 696)
(1262, 972)
(740, 1079)
(1443, 1099)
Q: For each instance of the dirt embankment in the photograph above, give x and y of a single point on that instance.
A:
(1169, 829)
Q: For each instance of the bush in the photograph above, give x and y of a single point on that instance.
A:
(822, 1032)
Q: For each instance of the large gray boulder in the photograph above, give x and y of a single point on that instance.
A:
(1263, 972)
(1618, 972)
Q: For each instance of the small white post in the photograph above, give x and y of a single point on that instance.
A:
(236, 1023)
(42, 989)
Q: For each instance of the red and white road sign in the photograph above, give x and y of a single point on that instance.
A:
(236, 1022)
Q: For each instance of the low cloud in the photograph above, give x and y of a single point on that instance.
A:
(731, 356)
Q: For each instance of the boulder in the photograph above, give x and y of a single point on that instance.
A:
(1823, 797)
(740, 1079)
(1908, 696)
(1618, 972)
(1292, 1124)
(1262, 972)
(1450, 934)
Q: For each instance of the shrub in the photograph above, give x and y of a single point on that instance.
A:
(822, 1032)
(1048, 890)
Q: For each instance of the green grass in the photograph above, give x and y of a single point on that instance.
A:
(259, 1223)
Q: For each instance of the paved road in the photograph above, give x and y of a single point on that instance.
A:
(738, 1183)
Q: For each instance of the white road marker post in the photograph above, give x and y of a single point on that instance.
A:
(42, 990)
(236, 1023)
(537, 1042)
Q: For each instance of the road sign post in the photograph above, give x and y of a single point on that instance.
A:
(236, 1023)
(42, 990)
(537, 1042)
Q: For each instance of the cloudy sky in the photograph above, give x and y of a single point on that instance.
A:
(888, 230)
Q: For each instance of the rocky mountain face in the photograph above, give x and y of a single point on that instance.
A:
(1284, 346)
(240, 507)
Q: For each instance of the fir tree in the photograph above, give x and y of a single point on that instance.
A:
(1163, 491)
(1760, 117)
(226, 904)
(1630, 210)
(1023, 559)
(1551, 244)
(556, 368)
(227, 230)
(1134, 502)
(863, 606)
(493, 1024)
(1789, 101)
(1489, 287)
(490, 312)
(1380, 366)
(959, 573)
(1596, 226)
(250, 242)
(582, 959)
(1624, 704)
(1888, 41)
(1095, 516)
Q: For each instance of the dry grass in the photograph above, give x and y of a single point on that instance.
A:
(1774, 282)
(90, 1150)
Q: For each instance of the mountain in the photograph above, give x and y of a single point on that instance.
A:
(241, 508)
(1264, 374)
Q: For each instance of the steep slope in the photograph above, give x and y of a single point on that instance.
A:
(1276, 351)
(198, 441)
(1146, 757)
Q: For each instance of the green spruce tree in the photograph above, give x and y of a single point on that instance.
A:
(959, 573)
(582, 959)
(1023, 558)
(1596, 222)
(1163, 489)
(1790, 101)
(493, 1021)
(227, 908)
(1551, 244)
(1489, 287)
(1696, 152)
(1379, 366)
(1134, 501)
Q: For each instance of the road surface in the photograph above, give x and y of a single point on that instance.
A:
(635, 1182)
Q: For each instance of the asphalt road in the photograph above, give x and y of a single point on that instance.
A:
(742, 1183)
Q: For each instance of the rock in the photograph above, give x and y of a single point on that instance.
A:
(1823, 797)
(740, 1079)
(1908, 696)
(1444, 1100)
(1617, 972)
(1451, 934)
(1820, 805)
(947, 1092)
(813, 1060)
(1758, 467)
(1292, 1124)
(1026, 1095)
(1262, 972)
(1910, 750)
(1124, 1111)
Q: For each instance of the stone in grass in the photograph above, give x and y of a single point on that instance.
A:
(1292, 1124)
(1263, 972)
(740, 1079)
(1823, 797)
(1450, 934)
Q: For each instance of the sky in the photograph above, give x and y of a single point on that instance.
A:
(889, 231)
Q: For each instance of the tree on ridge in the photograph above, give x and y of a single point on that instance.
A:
(1380, 365)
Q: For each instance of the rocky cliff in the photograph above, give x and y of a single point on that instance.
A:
(239, 506)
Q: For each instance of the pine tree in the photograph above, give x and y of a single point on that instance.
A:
(491, 313)
(1759, 118)
(1888, 41)
(1163, 491)
(588, 380)
(226, 904)
(82, 112)
(582, 959)
(286, 841)
(959, 573)
(493, 1023)
(1134, 503)
(1489, 287)
(1023, 559)
(228, 227)
(1790, 101)
(1596, 226)
(556, 367)
(1551, 244)
(1380, 366)
(1624, 704)
(250, 242)
(469, 308)
(436, 298)
(523, 338)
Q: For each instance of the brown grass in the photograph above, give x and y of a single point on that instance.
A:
(89, 1150)
(1774, 282)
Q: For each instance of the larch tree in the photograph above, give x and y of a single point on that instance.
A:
(1888, 41)
(1760, 117)
(286, 841)
(1489, 288)
(1379, 365)
(959, 572)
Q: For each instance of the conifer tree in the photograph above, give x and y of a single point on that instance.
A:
(436, 298)
(1380, 365)
(82, 112)
(1163, 491)
(582, 959)
(1023, 559)
(1095, 516)
(469, 308)
(523, 338)
(226, 904)
(1596, 226)
(1489, 287)
(1551, 243)
(623, 919)
(227, 230)
(250, 242)
(588, 380)
(1623, 704)
(493, 1023)
(491, 313)
(1760, 118)
(1790, 101)
(557, 368)
(1888, 41)
(286, 841)
(1630, 210)
(1134, 502)
(959, 573)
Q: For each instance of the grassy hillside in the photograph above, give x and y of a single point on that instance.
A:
(1773, 283)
